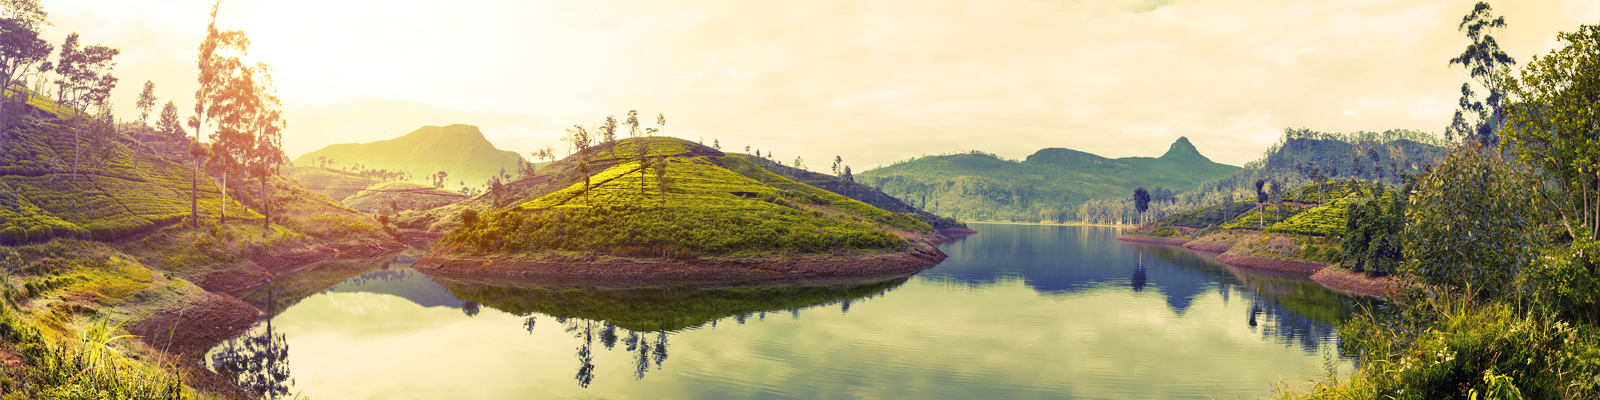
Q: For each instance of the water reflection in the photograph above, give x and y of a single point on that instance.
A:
(1016, 312)
(634, 315)
(257, 361)
(1063, 260)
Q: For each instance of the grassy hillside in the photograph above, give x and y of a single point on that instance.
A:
(395, 196)
(460, 150)
(118, 190)
(336, 184)
(983, 186)
(863, 193)
(703, 202)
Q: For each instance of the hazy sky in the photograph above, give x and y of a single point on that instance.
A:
(873, 81)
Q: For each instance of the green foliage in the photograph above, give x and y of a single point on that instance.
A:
(1209, 216)
(1327, 220)
(1553, 127)
(638, 230)
(1468, 351)
(1374, 234)
(1567, 282)
(1472, 227)
(1267, 215)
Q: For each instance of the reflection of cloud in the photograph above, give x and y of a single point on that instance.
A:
(872, 81)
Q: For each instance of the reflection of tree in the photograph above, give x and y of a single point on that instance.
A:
(259, 363)
(1139, 278)
(470, 308)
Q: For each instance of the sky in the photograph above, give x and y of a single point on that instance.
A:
(867, 80)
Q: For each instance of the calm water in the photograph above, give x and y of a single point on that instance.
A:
(1017, 311)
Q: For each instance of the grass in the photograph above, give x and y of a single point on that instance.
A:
(1267, 215)
(65, 304)
(705, 205)
(115, 193)
(393, 196)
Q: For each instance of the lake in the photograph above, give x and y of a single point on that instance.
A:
(1017, 311)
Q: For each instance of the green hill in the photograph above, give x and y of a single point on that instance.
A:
(1339, 156)
(460, 150)
(702, 202)
(978, 185)
(395, 196)
(121, 187)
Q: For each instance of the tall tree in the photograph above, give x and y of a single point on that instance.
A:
(266, 122)
(1141, 201)
(1261, 199)
(20, 48)
(837, 162)
(147, 100)
(168, 123)
(608, 134)
(1484, 61)
(632, 123)
(1555, 125)
(1275, 195)
(579, 137)
(85, 84)
(218, 100)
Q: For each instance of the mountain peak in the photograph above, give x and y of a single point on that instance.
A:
(1182, 149)
(465, 132)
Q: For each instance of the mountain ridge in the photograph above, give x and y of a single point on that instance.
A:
(460, 150)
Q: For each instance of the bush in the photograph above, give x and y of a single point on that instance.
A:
(1374, 234)
(1472, 224)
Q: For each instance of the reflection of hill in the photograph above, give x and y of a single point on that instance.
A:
(403, 282)
(1059, 260)
(659, 309)
(388, 274)
(1067, 259)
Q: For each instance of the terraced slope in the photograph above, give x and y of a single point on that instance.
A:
(395, 196)
(117, 190)
(683, 198)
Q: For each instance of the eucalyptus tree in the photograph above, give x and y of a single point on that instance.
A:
(218, 101)
(579, 138)
(264, 158)
(21, 49)
(147, 101)
(84, 85)
(1555, 125)
(1487, 64)
(1261, 199)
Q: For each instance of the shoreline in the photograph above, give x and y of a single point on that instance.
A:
(1327, 275)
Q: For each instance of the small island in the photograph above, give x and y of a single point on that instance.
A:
(650, 211)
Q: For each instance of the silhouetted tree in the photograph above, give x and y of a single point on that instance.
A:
(1484, 61)
(168, 123)
(226, 89)
(1261, 199)
(147, 100)
(1141, 201)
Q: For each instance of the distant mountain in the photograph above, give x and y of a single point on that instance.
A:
(459, 150)
(979, 185)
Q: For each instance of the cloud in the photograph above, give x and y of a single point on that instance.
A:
(873, 82)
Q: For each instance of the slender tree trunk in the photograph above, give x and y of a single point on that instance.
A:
(194, 193)
(266, 206)
(224, 206)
